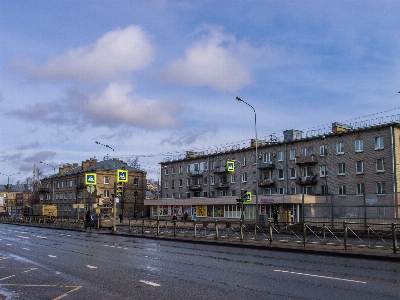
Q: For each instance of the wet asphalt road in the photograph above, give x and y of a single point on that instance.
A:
(41, 263)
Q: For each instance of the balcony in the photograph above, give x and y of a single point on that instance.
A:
(44, 190)
(220, 170)
(307, 180)
(196, 173)
(222, 186)
(266, 166)
(266, 183)
(306, 160)
(195, 187)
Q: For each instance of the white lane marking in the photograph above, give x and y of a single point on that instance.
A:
(7, 277)
(320, 276)
(25, 248)
(91, 267)
(150, 283)
(52, 256)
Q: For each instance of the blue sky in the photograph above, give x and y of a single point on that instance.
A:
(158, 78)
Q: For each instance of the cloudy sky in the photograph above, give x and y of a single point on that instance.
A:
(159, 78)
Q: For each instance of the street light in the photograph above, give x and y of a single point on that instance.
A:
(54, 168)
(255, 127)
(97, 142)
(8, 182)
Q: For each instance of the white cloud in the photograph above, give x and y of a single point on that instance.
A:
(217, 60)
(115, 106)
(120, 50)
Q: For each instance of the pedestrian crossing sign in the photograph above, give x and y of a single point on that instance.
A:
(230, 166)
(248, 197)
(122, 175)
(90, 178)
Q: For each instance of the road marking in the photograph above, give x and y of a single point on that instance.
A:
(320, 276)
(25, 249)
(7, 277)
(52, 256)
(91, 267)
(150, 283)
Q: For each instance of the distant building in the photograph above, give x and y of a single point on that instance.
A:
(68, 187)
(349, 172)
(13, 198)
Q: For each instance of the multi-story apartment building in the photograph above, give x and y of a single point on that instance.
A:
(13, 198)
(68, 187)
(349, 172)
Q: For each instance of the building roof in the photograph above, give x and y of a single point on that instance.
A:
(12, 188)
(106, 165)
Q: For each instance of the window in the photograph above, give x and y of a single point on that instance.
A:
(359, 145)
(342, 189)
(106, 194)
(70, 183)
(180, 169)
(292, 154)
(322, 150)
(136, 181)
(212, 180)
(380, 188)
(307, 172)
(360, 167)
(293, 191)
(341, 168)
(187, 181)
(267, 157)
(223, 193)
(243, 161)
(292, 172)
(244, 177)
(188, 169)
(281, 156)
(166, 184)
(280, 174)
(173, 184)
(254, 176)
(379, 143)
(323, 171)
(205, 180)
(173, 170)
(380, 165)
(233, 178)
(106, 179)
(360, 188)
(180, 182)
(281, 191)
(304, 152)
(166, 171)
(308, 190)
(340, 148)
(324, 190)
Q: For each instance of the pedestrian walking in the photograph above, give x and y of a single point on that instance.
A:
(88, 220)
(121, 217)
(275, 216)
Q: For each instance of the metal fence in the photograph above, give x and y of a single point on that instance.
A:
(345, 235)
(364, 208)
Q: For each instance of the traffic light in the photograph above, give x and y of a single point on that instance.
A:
(243, 195)
(120, 189)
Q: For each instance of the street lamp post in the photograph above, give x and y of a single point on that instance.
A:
(255, 127)
(8, 185)
(52, 183)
